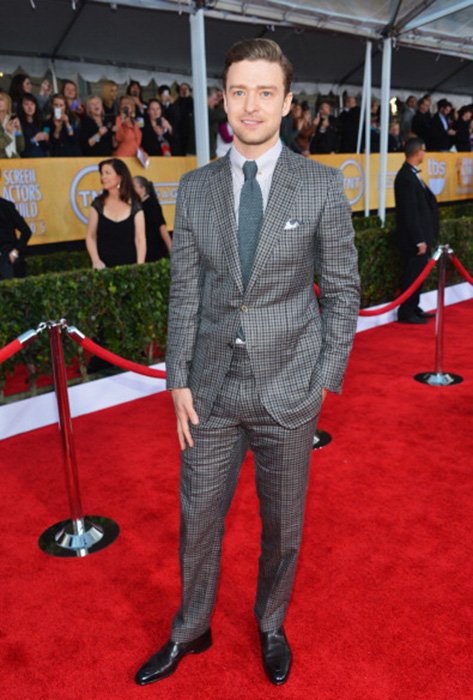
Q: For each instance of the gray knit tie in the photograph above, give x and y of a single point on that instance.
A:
(250, 218)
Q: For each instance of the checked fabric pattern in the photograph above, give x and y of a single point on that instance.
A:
(294, 349)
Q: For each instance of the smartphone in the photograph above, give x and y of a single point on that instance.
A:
(58, 113)
(126, 111)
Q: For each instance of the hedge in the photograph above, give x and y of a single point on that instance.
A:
(125, 308)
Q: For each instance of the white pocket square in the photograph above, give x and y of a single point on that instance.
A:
(292, 224)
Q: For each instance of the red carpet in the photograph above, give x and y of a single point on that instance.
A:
(383, 601)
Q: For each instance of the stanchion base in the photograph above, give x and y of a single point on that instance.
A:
(321, 439)
(78, 538)
(438, 378)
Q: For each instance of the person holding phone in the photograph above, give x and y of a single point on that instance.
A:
(12, 142)
(128, 134)
(63, 130)
(157, 131)
(74, 105)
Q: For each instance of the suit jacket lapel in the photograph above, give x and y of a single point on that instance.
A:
(281, 198)
(221, 192)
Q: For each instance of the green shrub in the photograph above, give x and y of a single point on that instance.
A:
(57, 262)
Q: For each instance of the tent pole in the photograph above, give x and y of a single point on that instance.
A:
(52, 68)
(199, 76)
(362, 107)
(383, 151)
(367, 128)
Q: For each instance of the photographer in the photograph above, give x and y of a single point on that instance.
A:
(95, 134)
(157, 131)
(128, 134)
(12, 142)
(63, 131)
(326, 138)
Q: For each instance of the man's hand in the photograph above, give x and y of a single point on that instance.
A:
(324, 394)
(184, 408)
(421, 248)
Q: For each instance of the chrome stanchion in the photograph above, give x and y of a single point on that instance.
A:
(321, 439)
(81, 534)
(439, 377)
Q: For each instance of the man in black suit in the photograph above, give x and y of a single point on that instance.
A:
(440, 132)
(11, 247)
(417, 226)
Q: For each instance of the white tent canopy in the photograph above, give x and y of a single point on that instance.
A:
(144, 39)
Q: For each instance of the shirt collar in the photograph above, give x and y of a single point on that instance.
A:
(266, 161)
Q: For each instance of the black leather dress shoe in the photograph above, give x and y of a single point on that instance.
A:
(417, 320)
(277, 656)
(424, 314)
(167, 659)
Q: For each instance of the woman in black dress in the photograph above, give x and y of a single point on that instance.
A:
(158, 240)
(116, 228)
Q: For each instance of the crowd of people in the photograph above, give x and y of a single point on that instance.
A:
(110, 124)
(443, 130)
(61, 125)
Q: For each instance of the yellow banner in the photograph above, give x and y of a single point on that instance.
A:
(54, 194)
(449, 176)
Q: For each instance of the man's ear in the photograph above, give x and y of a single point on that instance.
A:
(287, 104)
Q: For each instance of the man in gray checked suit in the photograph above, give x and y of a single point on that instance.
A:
(250, 357)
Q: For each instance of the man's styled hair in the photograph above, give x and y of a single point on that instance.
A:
(413, 145)
(259, 50)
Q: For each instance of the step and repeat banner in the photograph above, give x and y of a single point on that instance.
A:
(54, 194)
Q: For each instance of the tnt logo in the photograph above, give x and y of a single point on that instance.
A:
(353, 180)
(84, 188)
(437, 170)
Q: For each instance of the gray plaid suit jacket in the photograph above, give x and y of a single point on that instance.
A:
(294, 349)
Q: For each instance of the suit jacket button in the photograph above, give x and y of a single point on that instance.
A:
(243, 308)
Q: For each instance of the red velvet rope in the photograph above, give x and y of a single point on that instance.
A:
(405, 295)
(462, 270)
(108, 356)
(10, 350)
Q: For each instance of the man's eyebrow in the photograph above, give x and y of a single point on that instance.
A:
(258, 87)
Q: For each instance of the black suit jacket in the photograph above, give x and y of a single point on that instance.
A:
(10, 222)
(439, 138)
(416, 212)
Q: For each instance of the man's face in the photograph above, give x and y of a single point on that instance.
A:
(255, 102)
(325, 109)
(423, 107)
(411, 102)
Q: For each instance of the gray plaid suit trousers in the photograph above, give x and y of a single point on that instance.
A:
(209, 474)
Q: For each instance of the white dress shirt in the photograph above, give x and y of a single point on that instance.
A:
(265, 163)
